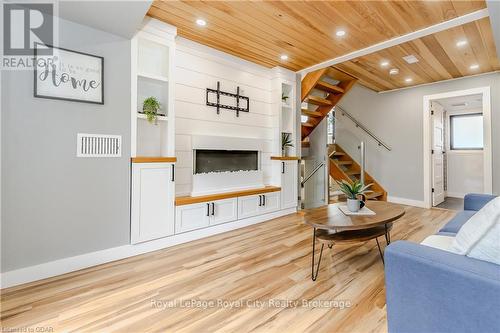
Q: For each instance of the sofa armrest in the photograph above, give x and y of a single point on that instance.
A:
(430, 290)
(474, 201)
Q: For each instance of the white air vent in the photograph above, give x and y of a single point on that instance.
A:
(411, 59)
(98, 145)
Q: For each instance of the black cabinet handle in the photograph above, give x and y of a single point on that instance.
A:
(260, 200)
(264, 197)
(282, 167)
(173, 172)
(213, 208)
(208, 209)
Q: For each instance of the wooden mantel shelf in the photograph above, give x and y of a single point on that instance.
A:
(144, 159)
(186, 200)
(284, 158)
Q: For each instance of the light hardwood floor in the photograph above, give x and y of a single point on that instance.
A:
(267, 262)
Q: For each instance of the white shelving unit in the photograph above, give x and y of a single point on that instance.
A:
(153, 50)
(285, 170)
(152, 144)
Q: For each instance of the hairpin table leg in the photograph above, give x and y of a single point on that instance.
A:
(380, 251)
(314, 275)
(387, 235)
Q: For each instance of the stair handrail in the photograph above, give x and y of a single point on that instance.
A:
(360, 125)
(312, 173)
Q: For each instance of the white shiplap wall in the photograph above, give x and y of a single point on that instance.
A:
(198, 67)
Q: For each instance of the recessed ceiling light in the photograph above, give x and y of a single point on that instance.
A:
(411, 59)
(384, 63)
(340, 33)
(475, 66)
(284, 57)
(201, 22)
(461, 43)
(408, 79)
(394, 71)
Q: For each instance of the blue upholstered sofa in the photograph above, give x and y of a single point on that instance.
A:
(431, 290)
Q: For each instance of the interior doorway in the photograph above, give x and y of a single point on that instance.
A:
(457, 146)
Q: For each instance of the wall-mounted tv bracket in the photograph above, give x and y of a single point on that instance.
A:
(237, 96)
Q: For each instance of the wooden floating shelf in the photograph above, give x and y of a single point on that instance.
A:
(284, 158)
(158, 159)
(187, 200)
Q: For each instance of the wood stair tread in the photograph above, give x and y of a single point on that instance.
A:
(373, 195)
(318, 101)
(307, 124)
(352, 172)
(328, 87)
(311, 113)
(305, 144)
(343, 162)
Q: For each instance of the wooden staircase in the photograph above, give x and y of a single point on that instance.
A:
(342, 166)
(322, 90)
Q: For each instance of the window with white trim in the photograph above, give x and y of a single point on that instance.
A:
(466, 131)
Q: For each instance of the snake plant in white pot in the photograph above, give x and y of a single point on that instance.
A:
(353, 192)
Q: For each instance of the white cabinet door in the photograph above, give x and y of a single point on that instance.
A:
(249, 206)
(152, 201)
(289, 184)
(270, 203)
(224, 211)
(191, 217)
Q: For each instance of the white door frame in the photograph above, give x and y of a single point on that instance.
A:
(427, 140)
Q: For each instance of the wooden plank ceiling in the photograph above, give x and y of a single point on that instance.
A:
(439, 58)
(262, 31)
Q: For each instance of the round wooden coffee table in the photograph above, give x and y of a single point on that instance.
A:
(331, 226)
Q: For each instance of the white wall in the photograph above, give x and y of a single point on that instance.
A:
(396, 117)
(199, 67)
(465, 168)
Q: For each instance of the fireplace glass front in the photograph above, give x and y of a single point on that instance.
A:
(225, 160)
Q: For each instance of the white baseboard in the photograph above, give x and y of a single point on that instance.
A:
(71, 264)
(408, 202)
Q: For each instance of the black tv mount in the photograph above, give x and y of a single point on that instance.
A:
(238, 97)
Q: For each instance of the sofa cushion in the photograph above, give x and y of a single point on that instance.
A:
(458, 221)
(477, 227)
(488, 247)
(441, 242)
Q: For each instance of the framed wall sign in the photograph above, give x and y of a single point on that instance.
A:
(69, 75)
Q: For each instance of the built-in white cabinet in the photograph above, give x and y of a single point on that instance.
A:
(201, 215)
(289, 184)
(224, 211)
(249, 206)
(253, 205)
(152, 143)
(270, 202)
(152, 201)
(192, 217)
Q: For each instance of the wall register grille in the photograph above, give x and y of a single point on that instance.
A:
(98, 145)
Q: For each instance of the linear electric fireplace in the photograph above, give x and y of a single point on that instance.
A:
(225, 164)
(215, 160)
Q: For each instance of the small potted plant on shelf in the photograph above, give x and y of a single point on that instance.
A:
(353, 192)
(150, 107)
(286, 143)
(284, 97)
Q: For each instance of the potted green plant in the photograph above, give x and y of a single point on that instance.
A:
(284, 97)
(286, 143)
(150, 107)
(353, 192)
